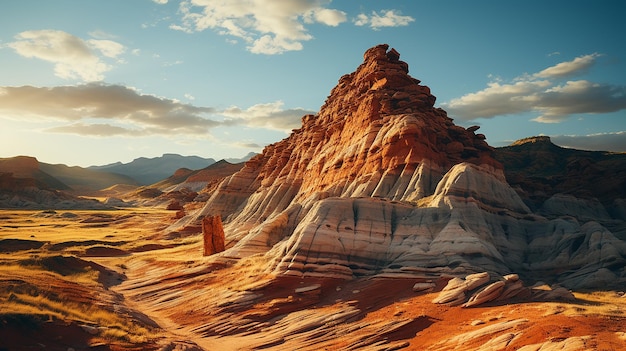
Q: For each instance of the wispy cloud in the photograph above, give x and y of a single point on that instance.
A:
(542, 93)
(247, 145)
(386, 18)
(73, 57)
(96, 129)
(596, 142)
(566, 69)
(97, 109)
(269, 115)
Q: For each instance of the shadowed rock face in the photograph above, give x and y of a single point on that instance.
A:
(539, 170)
(382, 182)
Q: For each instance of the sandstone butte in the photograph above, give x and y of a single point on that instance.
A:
(382, 183)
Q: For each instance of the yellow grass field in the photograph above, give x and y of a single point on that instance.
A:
(57, 269)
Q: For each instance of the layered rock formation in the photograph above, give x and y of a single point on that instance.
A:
(382, 182)
(213, 235)
(477, 289)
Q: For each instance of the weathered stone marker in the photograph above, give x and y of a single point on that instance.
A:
(213, 234)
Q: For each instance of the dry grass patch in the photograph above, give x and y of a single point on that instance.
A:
(47, 288)
(31, 293)
(598, 303)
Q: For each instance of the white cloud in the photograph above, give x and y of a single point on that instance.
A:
(565, 69)
(73, 57)
(102, 110)
(100, 34)
(247, 144)
(361, 20)
(270, 116)
(96, 129)
(108, 48)
(497, 99)
(615, 141)
(172, 63)
(386, 18)
(328, 17)
(95, 106)
(266, 26)
(552, 102)
(581, 96)
(161, 2)
(180, 28)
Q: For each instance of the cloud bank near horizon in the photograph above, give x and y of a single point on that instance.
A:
(544, 93)
(103, 110)
(615, 141)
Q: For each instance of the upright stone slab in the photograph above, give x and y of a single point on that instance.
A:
(213, 234)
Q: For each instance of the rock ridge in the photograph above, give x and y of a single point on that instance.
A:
(377, 134)
(381, 182)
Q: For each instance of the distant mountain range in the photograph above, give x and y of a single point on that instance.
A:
(83, 180)
(28, 168)
(151, 170)
(147, 171)
(26, 171)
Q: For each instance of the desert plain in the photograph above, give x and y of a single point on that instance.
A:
(380, 224)
(111, 280)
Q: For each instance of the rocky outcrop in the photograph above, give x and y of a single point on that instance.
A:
(378, 134)
(477, 289)
(560, 205)
(213, 234)
(381, 182)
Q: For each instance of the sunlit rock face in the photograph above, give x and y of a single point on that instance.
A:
(382, 182)
(377, 135)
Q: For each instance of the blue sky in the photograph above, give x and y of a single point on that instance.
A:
(93, 82)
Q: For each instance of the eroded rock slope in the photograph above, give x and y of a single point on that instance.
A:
(382, 182)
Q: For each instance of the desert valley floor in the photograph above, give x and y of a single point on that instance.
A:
(111, 280)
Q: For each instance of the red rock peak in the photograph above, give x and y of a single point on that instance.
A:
(377, 134)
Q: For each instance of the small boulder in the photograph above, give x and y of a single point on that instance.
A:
(423, 287)
(488, 293)
(314, 289)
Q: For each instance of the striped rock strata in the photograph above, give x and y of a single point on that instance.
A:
(382, 182)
